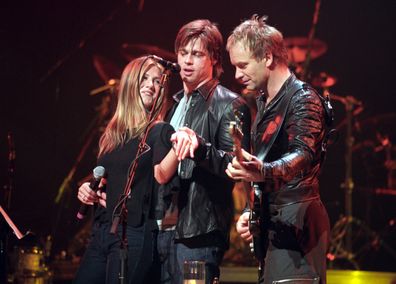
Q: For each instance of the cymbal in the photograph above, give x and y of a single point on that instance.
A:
(106, 69)
(131, 51)
(323, 80)
(298, 46)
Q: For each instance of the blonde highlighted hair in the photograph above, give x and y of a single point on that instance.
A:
(259, 38)
(131, 117)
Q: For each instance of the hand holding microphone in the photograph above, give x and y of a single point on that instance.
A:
(87, 193)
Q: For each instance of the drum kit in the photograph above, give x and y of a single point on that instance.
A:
(27, 262)
(30, 266)
(378, 131)
(367, 142)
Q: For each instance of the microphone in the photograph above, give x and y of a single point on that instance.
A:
(174, 67)
(98, 173)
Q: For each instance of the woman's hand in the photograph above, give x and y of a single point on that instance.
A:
(87, 196)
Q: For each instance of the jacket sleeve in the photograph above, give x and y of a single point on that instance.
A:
(215, 155)
(304, 126)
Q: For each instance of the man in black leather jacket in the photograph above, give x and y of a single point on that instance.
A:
(294, 226)
(202, 113)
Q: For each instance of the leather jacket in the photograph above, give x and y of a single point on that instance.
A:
(292, 165)
(205, 197)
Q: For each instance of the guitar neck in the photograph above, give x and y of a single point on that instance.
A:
(237, 136)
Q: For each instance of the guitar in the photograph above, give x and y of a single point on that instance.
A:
(256, 245)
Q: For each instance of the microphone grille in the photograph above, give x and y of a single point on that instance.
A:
(98, 172)
(176, 68)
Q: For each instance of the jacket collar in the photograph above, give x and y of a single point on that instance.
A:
(263, 108)
(282, 90)
(205, 90)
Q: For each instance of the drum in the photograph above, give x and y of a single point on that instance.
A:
(30, 261)
(30, 266)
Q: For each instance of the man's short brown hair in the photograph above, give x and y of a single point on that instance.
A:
(210, 37)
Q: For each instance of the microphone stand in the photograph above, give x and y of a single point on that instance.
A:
(310, 41)
(342, 231)
(122, 216)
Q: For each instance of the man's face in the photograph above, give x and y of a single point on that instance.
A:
(150, 86)
(251, 73)
(196, 65)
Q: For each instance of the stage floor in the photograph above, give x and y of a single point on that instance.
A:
(63, 273)
(249, 275)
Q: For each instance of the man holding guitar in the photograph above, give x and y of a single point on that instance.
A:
(287, 138)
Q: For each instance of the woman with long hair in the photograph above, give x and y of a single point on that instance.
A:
(135, 115)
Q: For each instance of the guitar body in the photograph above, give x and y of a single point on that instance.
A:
(257, 223)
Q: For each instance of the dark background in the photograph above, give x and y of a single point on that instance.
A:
(47, 73)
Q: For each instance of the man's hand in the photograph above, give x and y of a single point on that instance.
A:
(248, 170)
(242, 227)
(185, 142)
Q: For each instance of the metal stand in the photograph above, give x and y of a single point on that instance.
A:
(350, 237)
(120, 212)
(348, 184)
(341, 234)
